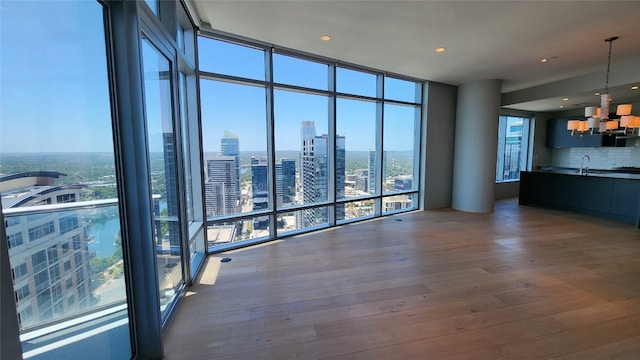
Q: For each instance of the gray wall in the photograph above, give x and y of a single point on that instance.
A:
(440, 104)
(507, 190)
(541, 153)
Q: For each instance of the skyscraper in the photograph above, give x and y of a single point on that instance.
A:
(220, 188)
(315, 186)
(230, 146)
(372, 172)
(288, 180)
(171, 186)
(260, 190)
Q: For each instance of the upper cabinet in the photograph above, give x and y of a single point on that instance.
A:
(559, 137)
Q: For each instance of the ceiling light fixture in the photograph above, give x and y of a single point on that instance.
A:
(441, 50)
(544, 60)
(325, 37)
(598, 121)
(634, 87)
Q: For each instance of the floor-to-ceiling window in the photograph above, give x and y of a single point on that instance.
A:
(172, 144)
(161, 140)
(58, 180)
(401, 130)
(513, 145)
(99, 174)
(294, 143)
(108, 174)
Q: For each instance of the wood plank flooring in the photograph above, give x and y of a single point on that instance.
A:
(520, 283)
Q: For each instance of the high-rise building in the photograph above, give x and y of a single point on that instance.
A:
(403, 183)
(260, 190)
(279, 190)
(397, 202)
(220, 188)
(340, 175)
(49, 250)
(315, 186)
(287, 180)
(230, 146)
(372, 172)
(171, 186)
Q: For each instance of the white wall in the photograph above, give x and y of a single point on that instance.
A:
(601, 158)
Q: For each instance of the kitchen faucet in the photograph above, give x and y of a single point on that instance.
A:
(584, 170)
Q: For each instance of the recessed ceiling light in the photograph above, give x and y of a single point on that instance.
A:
(596, 93)
(325, 37)
(634, 87)
(565, 99)
(561, 106)
(544, 60)
(441, 50)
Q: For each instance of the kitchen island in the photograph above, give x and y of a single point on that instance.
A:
(611, 194)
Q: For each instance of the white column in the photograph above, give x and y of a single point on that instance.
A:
(476, 144)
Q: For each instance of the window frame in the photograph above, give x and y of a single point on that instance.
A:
(524, 159)
(333, 202)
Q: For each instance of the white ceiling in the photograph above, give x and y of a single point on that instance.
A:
(484, 40)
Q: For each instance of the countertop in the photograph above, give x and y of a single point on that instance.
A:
(619, 172)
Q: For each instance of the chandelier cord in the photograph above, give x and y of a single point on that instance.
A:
(606, 84)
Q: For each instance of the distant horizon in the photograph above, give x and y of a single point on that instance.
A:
(160, 152)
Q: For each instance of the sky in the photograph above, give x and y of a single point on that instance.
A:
(54, 94)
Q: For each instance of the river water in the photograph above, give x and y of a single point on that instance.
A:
(103, 235)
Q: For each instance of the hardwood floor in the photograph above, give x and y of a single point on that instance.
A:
(520, 283)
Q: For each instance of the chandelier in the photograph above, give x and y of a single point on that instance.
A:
(598, 121)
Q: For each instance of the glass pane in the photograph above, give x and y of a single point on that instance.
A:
(510, 141)
(398, 203)
(186, 144)
(180, 37)
(359, 209)
(293, 71)
(400, 151)
(185, 33)
(304, 139)
(286, 181)
(153, 4)
(226, 232)
(403, 90)
(356, 127)
(161, 141)
(230, 59)
(58, 180)
(233, 119)
(355, 82)
(300, 220)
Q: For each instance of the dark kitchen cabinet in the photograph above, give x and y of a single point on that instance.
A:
(595, 194)
(625, 198)
(559, 137)
(557, 134)
(613, 198)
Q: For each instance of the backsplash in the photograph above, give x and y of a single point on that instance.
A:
(600, 157)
